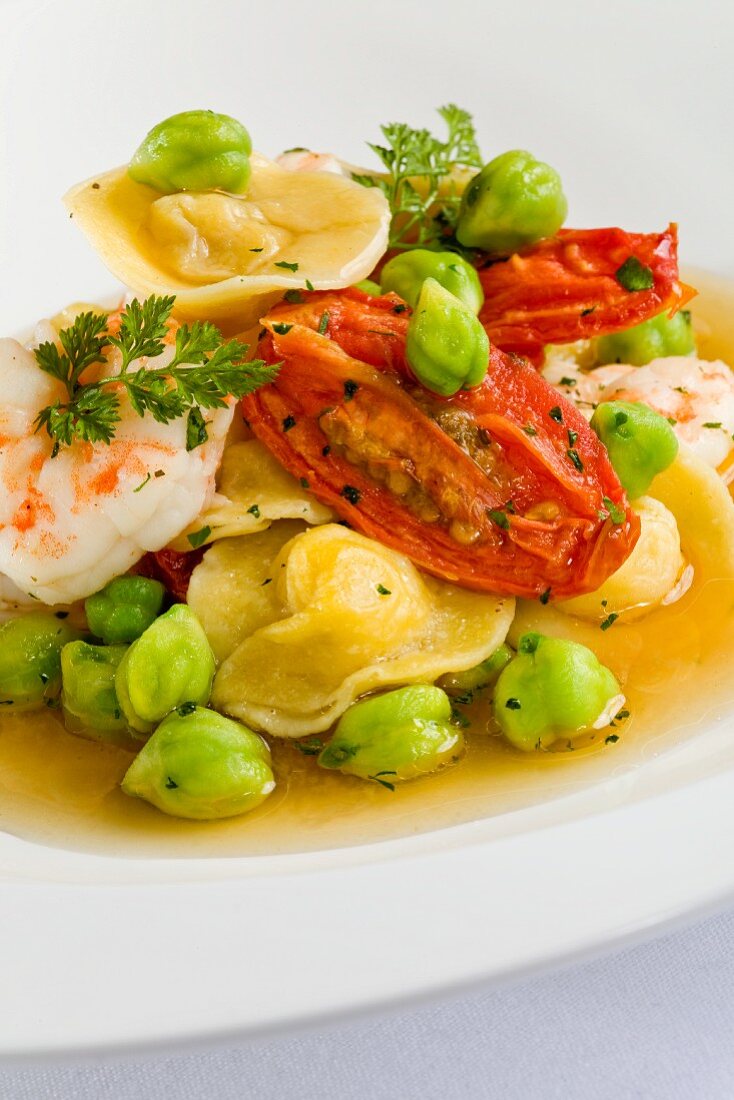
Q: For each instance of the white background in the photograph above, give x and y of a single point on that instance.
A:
(632, 102)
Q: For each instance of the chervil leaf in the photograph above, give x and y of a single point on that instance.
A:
(419, 216)
(205, 372)
(143, 327)
(82, 343)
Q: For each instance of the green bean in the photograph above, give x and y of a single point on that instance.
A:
(447, 347)
(406, 273)
(200, 765)
(194, 151)
(640, 442)
(169, 664)
(552, 688)
(399, 735)
(124, 608)
(30, 659)
(514, 201)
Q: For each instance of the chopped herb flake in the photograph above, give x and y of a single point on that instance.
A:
(254, 510)
(282, 329)
(383, 782)
(529, 429)
(572, 437)
(142, 483)
(350, 388)
(310, 747)
(294, 297)
(611, 739)
(288, 423)
(556, 414)
(633, 275)
(499, 517)
(575, 458)
(309, 284)
(196, 538)
(568, 381)
(513, 704)
(712, 424)
(586, 312)
(351, 494)
(286, 265)
(609, 621)
(323, 323)
(196, 432)
(383, 591)
(303, 482)
(613, 511)
(545, 596)
(399, 308)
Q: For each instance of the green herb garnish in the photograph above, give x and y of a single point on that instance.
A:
(611, 511)
(499, 517)
(410, 155)
(205, 370)
(196, 538)
(633, 275)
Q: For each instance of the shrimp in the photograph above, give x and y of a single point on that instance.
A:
(696, 395)
(303, 160)
(70, 523)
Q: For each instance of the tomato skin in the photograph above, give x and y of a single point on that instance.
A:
(326, 405)
(171, 568)
(565, 288)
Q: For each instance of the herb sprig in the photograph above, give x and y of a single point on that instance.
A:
(204, 371)
(419, 155)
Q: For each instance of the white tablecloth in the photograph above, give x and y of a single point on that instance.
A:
(654, 1022)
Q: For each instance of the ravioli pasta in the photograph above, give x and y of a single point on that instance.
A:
(230, 257)
(253, 491)
(340, 615)
(646, 578)
(697, 498)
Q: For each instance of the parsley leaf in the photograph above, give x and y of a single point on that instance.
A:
(416, 163)
(202, 374)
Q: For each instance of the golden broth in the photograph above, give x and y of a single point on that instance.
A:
(61, 790)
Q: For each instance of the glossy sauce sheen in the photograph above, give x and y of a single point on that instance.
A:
(61, 790)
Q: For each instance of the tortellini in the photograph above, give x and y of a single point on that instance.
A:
(253, 490)
(327, 616)
(230, 257)
(696, 497)
(649, 574)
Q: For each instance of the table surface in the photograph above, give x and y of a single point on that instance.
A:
(653, 1022)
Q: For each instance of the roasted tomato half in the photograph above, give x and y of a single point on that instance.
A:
(577, 285)
(504, 488)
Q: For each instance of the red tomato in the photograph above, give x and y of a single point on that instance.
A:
(171, 568)
(504, 488)
(567, 288)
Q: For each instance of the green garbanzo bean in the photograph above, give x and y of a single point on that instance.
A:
(194, 151)
(552, 688)
(514, 201)
(199, 764)
(447, 347)
(399, 735)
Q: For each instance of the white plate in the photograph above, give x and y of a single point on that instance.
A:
(104, 952)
